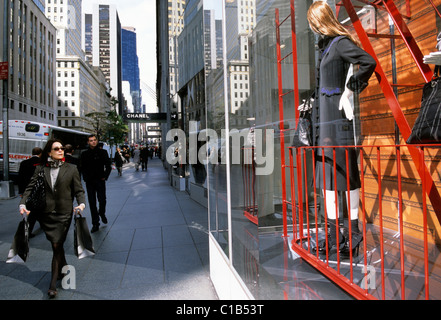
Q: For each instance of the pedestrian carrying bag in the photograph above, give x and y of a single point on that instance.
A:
(83, 244)
(37, 199)
(20, 245)
(427, 127)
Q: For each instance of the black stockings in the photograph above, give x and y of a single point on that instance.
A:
(58, 262)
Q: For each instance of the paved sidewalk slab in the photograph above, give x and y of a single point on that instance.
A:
(154, 247)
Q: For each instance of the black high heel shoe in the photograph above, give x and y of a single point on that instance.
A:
(332, 248)
(357, 238)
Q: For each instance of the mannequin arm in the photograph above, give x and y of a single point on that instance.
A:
(346, 105)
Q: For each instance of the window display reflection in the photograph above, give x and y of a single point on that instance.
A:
(242, 99)
(215, 102)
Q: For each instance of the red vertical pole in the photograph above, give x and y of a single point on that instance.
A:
(295, 60)
(306, 199)
(296, 111)
(401, 220)
(293, 196)
(282, 126)
(253, 184)
(363, 212)
(337, 224)
(380, 210)
(325, 205)
(426, 245)
(315, 199)
(348, 187)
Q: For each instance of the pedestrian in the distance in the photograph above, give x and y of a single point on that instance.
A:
(136, 158)
(144, 158)
(119, 160)
(96, 167)
(62, 185)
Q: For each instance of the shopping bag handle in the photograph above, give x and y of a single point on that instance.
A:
(78, 213)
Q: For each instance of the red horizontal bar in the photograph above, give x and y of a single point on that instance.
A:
(385, 36)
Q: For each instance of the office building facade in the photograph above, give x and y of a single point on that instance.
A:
(106, 48)
(81, 88)
(32, 51)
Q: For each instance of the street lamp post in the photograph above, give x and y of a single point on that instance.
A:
(6, 186)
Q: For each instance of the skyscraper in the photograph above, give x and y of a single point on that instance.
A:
(176, 9)
(87, 38)
(79, 87)
(66, 17)
(130, 65)
(103, 44)
(31, 61)
(241, 19)
(130, 73)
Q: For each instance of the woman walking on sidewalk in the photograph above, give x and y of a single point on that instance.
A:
(119, 160)
(62, 183)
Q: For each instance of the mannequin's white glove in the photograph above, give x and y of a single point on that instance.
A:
(346, 105)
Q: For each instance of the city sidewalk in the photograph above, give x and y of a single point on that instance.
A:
(154, 247)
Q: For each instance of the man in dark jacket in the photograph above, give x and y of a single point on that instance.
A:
(25, 173)
(144, 158)
(96, 167)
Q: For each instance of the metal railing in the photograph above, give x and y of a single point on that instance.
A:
(393, 264)
(393, 261)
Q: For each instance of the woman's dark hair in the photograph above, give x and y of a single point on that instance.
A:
(47, 149)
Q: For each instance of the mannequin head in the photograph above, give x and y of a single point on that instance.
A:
(323, 21)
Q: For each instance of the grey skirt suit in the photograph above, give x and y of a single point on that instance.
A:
(56, 219)
(331, 128)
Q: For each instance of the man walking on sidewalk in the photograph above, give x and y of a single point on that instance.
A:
(95, 167)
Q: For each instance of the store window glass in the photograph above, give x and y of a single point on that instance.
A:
(216, 123)
(241, 91)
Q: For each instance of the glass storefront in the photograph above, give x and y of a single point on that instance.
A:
(231, 115)
(244, 188)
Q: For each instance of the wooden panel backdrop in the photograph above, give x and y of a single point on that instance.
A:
(377, 126)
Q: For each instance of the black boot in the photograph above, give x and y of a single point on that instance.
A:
(333, 247)
(356, 238)
(332, 241)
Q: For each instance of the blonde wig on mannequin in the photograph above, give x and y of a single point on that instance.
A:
(322, 20)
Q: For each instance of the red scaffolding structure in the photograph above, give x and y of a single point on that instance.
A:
(342, 273)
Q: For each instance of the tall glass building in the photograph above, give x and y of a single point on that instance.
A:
(103, 46)
(130, 66)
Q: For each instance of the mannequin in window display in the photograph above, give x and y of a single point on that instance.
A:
(332, 117)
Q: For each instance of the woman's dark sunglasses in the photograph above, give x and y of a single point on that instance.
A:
(58, 149)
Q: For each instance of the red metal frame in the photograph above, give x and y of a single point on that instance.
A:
(389, 94)
(416, 152)
(390, 263)
(249, 183)
(281, 117)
